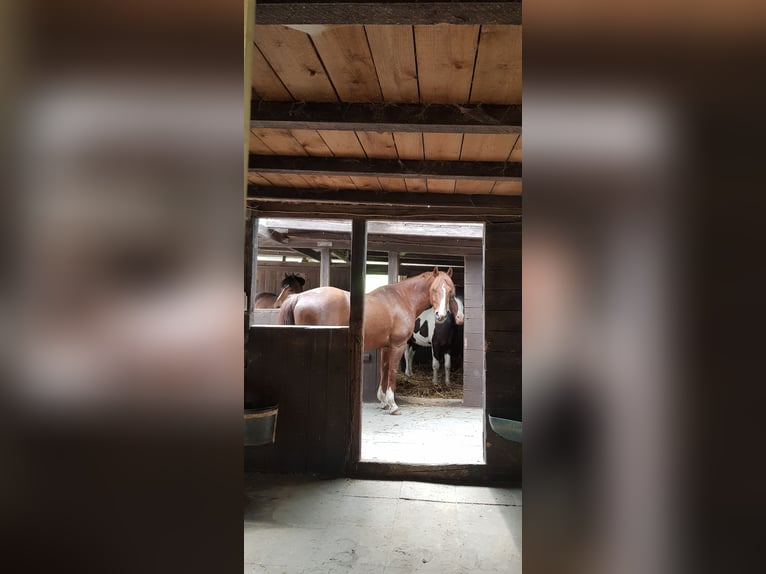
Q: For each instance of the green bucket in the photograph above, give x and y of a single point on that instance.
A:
(260, 426)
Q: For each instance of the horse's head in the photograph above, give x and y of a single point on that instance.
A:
(441, 293)
(290, 284)
(457, 310)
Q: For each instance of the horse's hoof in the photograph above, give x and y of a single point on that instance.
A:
(396, 411)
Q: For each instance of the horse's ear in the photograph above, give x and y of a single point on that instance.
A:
(449, 271)
(436, 271)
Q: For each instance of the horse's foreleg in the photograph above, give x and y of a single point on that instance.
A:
(435, 367)
(396, 357)
(383, 384)
(447, 366)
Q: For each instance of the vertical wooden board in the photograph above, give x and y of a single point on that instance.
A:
(416, 184)
(445, 57)
(336, 426)
(409, 145)
(516, 153)
(257, 179)
(497, 78)
(292, 56)
(365, 182)
(342, 143)
(487, 147)
(393, 52)
(280, 141)
(392, 183)
(257, 146)
(346, 57)
(378, 145)
(319, 378)
(312, 142)
(266, 83)
(507, 188)
(441, 185)
(470, 187)
(442, 146)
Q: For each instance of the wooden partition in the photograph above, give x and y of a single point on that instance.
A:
(305, 371)
(502, 334)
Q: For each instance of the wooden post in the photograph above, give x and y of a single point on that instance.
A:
(324, 267)
(253, 271)
(393, 267)
(356, 335)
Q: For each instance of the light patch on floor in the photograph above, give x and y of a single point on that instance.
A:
(423, 434)
(300, 525)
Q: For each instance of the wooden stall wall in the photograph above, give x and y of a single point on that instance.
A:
(305, 371)
(502, 302)
(473, 333)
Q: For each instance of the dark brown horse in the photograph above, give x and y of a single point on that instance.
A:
(291, 284)
(389, 314)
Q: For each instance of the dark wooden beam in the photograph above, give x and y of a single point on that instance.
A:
(347, 166)
(430, 118)
(381, 205)
(356, 341)
(387, 12)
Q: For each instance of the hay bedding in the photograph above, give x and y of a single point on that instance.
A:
(420, 385)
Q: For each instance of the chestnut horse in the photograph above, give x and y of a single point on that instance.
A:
(290, 284)
(389, 314)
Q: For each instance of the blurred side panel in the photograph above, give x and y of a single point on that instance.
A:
(121, 433)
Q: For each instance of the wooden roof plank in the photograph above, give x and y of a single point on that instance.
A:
(392, 184)
(472, 186)
(416, 185)
(442, 146)
(507, 188)
(342, 143)
(393, 51)
(266, 83)
(445, 56)
(346, 57)
(292, 56)
(497, 78)
(256, 145)
(409, 145)
(516, 153)
(280, 142)
(440, 185)
(378, 145)
(365, 182)
(312, 142)
(487, 147)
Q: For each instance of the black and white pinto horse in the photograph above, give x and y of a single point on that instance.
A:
(445, 340)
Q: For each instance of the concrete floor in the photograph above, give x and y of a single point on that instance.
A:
(423, 434)
(299, 525)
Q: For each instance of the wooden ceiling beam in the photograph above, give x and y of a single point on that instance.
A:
(268, 201)
(285, 12)
(417, 169)
(413, 118)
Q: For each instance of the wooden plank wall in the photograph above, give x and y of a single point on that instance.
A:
(305, 371)
(270, 274)
(473, 333)
(502, 302)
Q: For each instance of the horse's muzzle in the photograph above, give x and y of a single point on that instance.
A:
(440, 318)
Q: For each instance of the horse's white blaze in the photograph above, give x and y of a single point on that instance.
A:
(442, 311)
